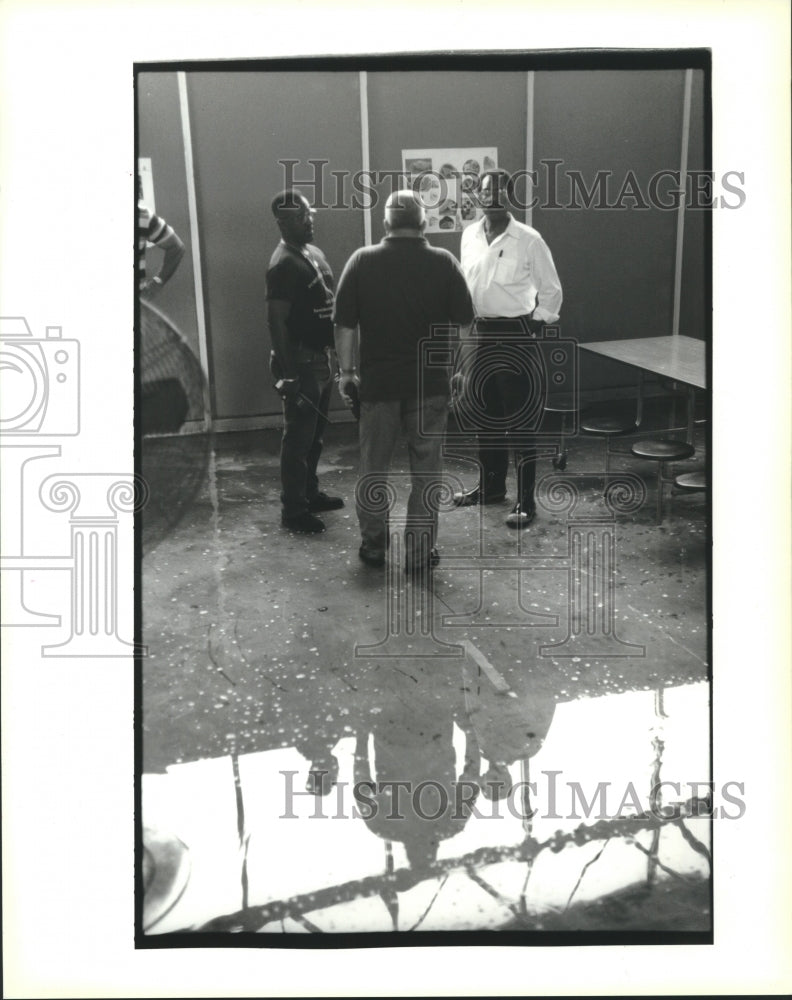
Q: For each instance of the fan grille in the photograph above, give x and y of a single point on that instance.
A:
(173, 461)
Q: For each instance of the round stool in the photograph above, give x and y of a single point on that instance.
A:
(565, 407)
(605, 427)
(662, 452)
(694, 482)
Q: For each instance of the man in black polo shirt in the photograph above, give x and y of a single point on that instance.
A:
(391, 297)
(299, 309)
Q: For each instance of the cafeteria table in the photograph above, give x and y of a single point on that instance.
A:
(681, 359)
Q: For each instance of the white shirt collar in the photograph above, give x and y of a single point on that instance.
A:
(510, 230)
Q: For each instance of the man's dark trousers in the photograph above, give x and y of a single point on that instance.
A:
(509, 372)
(304, 421)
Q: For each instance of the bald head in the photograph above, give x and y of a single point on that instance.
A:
(403, 210)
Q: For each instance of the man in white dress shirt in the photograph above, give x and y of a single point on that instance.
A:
(516, 292)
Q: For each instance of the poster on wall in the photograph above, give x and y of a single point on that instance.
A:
(146, 182)
(447, 180)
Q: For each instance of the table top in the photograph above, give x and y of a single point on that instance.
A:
(682, 359)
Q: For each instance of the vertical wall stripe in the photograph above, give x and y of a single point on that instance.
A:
(192, 202)
(364, 149)
(683, 165)
(529, 142)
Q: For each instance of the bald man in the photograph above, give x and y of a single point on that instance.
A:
(390, 299)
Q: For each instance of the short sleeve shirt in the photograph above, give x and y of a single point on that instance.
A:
(305, 281)
(405, 296)
(514, 275)
(151, 230)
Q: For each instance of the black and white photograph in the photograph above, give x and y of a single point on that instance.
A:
(440, 664)
(393, 552)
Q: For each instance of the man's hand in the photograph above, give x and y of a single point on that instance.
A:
(349, 389)
(288, 388)
(535, 326)
(151, 286)
(459, 386)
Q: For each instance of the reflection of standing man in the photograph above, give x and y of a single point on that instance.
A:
(516, 291)
(299, 309)
(507, 729)
(410, 790)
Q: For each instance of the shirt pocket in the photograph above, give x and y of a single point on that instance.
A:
(505, 270)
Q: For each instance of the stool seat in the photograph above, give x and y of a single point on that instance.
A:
(663, 451)
(605, 426)
(560, 406)
(693, 481)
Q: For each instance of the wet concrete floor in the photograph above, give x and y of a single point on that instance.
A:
(565, 656)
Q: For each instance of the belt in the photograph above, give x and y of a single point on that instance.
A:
(502, 325)
(305, 354)
(502, 321)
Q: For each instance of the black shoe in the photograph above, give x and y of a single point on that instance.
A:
(371, 557)
(521, 515)
(306, 523)
(432, 561)
(469, 498)
(323, 502)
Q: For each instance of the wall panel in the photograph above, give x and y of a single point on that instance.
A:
(160, 139)
(616, 265)
(693, 320)
(243, 125)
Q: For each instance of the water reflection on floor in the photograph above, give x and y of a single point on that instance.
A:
(294, 844)
(503, 722)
